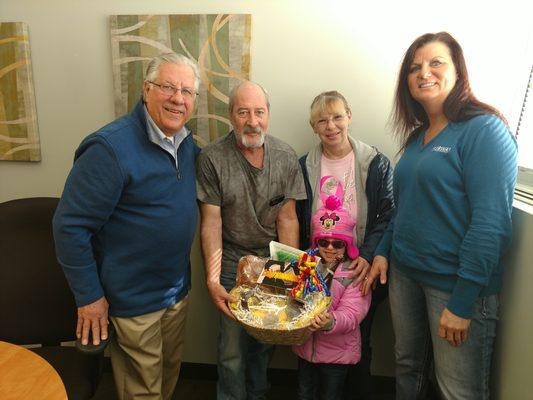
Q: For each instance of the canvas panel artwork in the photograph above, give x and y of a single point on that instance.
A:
(219, 43)
(19, 134)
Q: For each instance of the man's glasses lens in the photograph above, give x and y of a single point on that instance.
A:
(170, 90)
(337, 244)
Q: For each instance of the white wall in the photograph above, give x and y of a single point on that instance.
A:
(299, 48)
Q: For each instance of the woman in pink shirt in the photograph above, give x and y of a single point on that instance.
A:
(366, 176)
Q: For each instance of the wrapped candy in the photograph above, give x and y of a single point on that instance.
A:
(249, 269)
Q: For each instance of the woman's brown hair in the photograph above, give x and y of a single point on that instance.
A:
(460, 105)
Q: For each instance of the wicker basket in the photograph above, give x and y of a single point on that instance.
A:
(248, 271)
(278, 336)
(288, 337)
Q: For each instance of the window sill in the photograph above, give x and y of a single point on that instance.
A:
(525, 207)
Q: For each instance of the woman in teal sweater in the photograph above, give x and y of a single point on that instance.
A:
(444, 247)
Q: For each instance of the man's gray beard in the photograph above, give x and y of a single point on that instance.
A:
(245, 143)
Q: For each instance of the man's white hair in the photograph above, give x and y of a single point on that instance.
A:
(152, 71)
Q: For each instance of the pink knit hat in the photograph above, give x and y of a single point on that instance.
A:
(333, 221)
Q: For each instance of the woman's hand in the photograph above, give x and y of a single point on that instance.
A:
(453, 328)
(360, 267)
(380, 266)
(322, 321)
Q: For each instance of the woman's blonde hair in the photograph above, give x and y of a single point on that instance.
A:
(323, 102)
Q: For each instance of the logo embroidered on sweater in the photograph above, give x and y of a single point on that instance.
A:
(441, 149)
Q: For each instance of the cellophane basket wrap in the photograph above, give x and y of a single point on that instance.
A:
(285, 322)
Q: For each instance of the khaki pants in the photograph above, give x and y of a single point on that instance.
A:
(146, 353)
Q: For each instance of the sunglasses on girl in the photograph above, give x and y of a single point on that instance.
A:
(336, 243)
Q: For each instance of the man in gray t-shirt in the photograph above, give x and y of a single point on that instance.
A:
(248, 183)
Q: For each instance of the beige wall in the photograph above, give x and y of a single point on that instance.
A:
(514, 352)
(299, 48)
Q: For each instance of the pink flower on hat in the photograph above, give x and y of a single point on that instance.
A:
(333, 202)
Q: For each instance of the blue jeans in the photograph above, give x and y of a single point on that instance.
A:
(242, 363)
(321, 381)
(462, 372)
(358, 384)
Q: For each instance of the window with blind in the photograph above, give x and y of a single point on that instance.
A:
(524, 134)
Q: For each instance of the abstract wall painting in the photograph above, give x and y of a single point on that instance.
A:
(219, 43)
(19, 134)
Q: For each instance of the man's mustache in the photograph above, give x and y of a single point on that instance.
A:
(249, 129)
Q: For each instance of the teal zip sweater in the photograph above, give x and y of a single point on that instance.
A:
(453, 198)
(126, 220)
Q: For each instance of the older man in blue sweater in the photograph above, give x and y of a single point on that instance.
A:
(124, 228)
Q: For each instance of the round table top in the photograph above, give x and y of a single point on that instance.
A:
(26, 376)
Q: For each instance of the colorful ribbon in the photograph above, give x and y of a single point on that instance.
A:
(309, 278)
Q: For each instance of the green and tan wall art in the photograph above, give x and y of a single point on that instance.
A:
(219, 43)
(19, 134)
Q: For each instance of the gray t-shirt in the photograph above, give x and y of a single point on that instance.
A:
(249, 198)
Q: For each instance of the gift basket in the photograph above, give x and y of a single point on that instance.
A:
(279, 296)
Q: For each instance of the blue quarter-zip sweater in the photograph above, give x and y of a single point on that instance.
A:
(126, 220)
(453, 199)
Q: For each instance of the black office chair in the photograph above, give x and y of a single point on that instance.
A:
(36, 304)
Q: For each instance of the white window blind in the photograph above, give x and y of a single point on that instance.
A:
(524, 134)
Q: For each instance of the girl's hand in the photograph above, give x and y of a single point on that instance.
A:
(322, 321)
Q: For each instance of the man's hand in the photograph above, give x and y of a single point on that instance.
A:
(220, 296)
(380, 266)
(453, 328)
(92, 318)
(360, 268)
(320, 321)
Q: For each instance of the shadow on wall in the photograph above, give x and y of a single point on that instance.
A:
(513, 360)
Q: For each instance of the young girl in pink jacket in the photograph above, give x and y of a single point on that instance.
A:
(335, 343)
